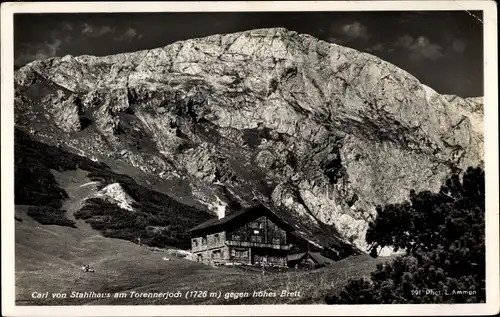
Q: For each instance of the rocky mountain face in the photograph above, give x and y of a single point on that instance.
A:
(323, 133)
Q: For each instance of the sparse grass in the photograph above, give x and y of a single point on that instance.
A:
(313, 285)
(49, 259)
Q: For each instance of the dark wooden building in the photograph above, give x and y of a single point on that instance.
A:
(254, 236)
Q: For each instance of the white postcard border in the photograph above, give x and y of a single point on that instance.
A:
(491, 159)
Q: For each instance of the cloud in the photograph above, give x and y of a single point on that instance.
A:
(355, 30)
(87, 28)
(67, 26)
(96, 30)
(420, 48)
(378, 47)
(38, 52)
(44, 49)
(129, 35)
(66, 35)
(459, 45)
(118, 35)
(345, 34)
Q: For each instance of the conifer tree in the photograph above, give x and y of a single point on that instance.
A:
(443, 236)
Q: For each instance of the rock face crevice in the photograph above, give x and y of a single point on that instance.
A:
(323, 131)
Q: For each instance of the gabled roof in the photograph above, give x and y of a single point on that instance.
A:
(315, 256)
(215, 221)
(295, 257)
(256, 211)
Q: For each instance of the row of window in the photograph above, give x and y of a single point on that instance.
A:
(257, 239)
(239, 254)
(260, 239)
(245, 254)
(261, 225)
(218, 254)
(254, 238)
(256, 225)
(203, 242)
(237, 237)
(269, 260)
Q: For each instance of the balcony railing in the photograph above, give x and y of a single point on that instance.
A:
(257, 245)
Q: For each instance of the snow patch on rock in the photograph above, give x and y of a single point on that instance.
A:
(116, 194)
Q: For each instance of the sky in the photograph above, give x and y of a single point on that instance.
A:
(443, 49)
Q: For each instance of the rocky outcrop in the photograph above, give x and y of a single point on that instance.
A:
(114, 193)
(66, 113)
(323, 131)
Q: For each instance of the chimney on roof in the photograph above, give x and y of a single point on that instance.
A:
(221, 211)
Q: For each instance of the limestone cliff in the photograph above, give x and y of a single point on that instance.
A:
(321, 131)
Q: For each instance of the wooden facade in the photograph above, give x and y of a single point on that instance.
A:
(255, 236)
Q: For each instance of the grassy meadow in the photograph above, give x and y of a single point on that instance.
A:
(49, 260)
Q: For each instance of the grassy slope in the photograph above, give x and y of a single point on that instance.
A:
(35, 184)
(49, 259)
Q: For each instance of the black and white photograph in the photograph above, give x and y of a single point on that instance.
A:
(303, 156)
